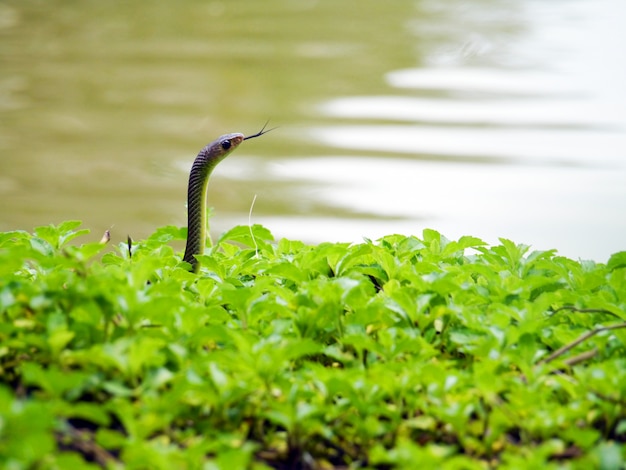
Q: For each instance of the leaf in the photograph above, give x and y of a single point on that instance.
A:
(434, 240)
(59, 339)
(255, 236)
(297, 349)
(57, 236)
(42, 246)
(13, 238)
(53, 380)
(66, 237)
(616, 261)
(92, 412)
(86, 251)
(609, 455)
(458, 247)
(168, 233)
(117, 389)
(513, 253)
(110, 439)
(26, 434)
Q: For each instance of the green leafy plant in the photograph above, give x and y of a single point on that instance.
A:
(403, 352)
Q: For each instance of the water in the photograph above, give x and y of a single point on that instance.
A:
(493, 119)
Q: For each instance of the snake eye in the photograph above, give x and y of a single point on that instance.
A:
(226, 144)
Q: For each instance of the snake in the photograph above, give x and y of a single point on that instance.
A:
(201, 170)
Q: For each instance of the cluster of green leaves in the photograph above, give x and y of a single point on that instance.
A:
(406, 352)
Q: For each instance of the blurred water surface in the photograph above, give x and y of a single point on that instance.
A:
(493, 118)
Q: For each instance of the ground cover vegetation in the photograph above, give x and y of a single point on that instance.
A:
(405, 352)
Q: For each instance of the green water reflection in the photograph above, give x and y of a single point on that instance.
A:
(99, 99)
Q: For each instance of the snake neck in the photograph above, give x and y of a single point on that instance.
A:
(196, 209)
(201, 169)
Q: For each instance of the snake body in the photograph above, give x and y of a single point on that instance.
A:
(203, 165)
